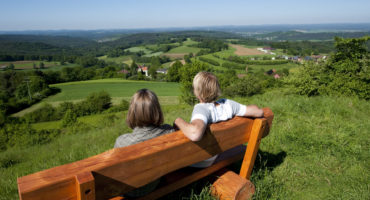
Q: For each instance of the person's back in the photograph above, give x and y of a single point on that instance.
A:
(207, 90)
(145, 117)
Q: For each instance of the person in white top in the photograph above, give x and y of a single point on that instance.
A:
(207, 90)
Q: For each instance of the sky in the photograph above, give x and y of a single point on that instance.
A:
(128, 14)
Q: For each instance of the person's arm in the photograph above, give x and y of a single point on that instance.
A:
(193, 130)
(253, 111)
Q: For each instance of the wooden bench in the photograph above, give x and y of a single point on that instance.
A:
(120, 170)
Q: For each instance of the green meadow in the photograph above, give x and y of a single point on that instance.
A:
(120, 59)
(184, 49)
(28, 65)
(117, 88)
(318, 148)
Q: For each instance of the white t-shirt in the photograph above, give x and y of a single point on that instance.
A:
(221, 110)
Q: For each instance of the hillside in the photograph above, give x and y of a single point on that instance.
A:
(316, 149)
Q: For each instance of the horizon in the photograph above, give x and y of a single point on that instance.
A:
(42, 15)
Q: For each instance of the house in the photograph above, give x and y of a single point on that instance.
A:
(162, 71)
(143, 69)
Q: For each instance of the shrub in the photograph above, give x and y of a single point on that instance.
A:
(210, 61)
(69, 118)
(124, 105)
(346, 72)
(246, 86)
(43, 114)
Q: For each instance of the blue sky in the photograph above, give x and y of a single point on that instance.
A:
(116, 14)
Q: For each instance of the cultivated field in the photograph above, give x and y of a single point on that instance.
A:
(243, 51)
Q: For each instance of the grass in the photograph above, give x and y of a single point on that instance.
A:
(119, 60)
(189, 42)
(184, 49)
(28, 65)
(139, 48)
(318, 148)
(117, 88)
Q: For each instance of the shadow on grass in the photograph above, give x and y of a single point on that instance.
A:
(200, 189)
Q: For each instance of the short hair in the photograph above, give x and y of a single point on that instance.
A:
(144, 110)
(206, 87)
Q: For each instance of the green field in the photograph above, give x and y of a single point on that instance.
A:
(120, 59)
(184, 49)
(140, 48)
(318, 148)
(189, 42)
(117, 88)
(28, 65)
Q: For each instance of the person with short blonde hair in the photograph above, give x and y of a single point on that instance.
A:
(206, 87)
(145, 117)
(208, 110)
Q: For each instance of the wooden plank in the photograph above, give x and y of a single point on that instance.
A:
(185, 176)
(120, 170)
(258, 129)
(85, 186)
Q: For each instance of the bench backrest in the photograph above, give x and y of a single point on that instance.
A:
(120, 170)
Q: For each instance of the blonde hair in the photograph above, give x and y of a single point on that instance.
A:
(206, 87)
(144, 110)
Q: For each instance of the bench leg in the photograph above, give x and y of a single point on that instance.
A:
(258, 128)
(231, 186)
(85, 186)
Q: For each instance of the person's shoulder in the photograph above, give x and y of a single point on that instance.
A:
(167, 128)
(122, 140)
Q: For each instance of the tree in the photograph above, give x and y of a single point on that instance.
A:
(133, 68)
(42, 65)
(11, 66)
(173, 74)
(345, 73)
(153, 72)
(187, 73)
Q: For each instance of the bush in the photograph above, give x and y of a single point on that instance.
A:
(346, 72)
(246, 86)
(230, 65)
(124, 105)
(69, 118)
(94, 103)
(43, 114)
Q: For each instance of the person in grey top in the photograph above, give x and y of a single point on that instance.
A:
(145, 117)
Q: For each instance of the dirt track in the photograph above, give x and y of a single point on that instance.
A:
(243, 51)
